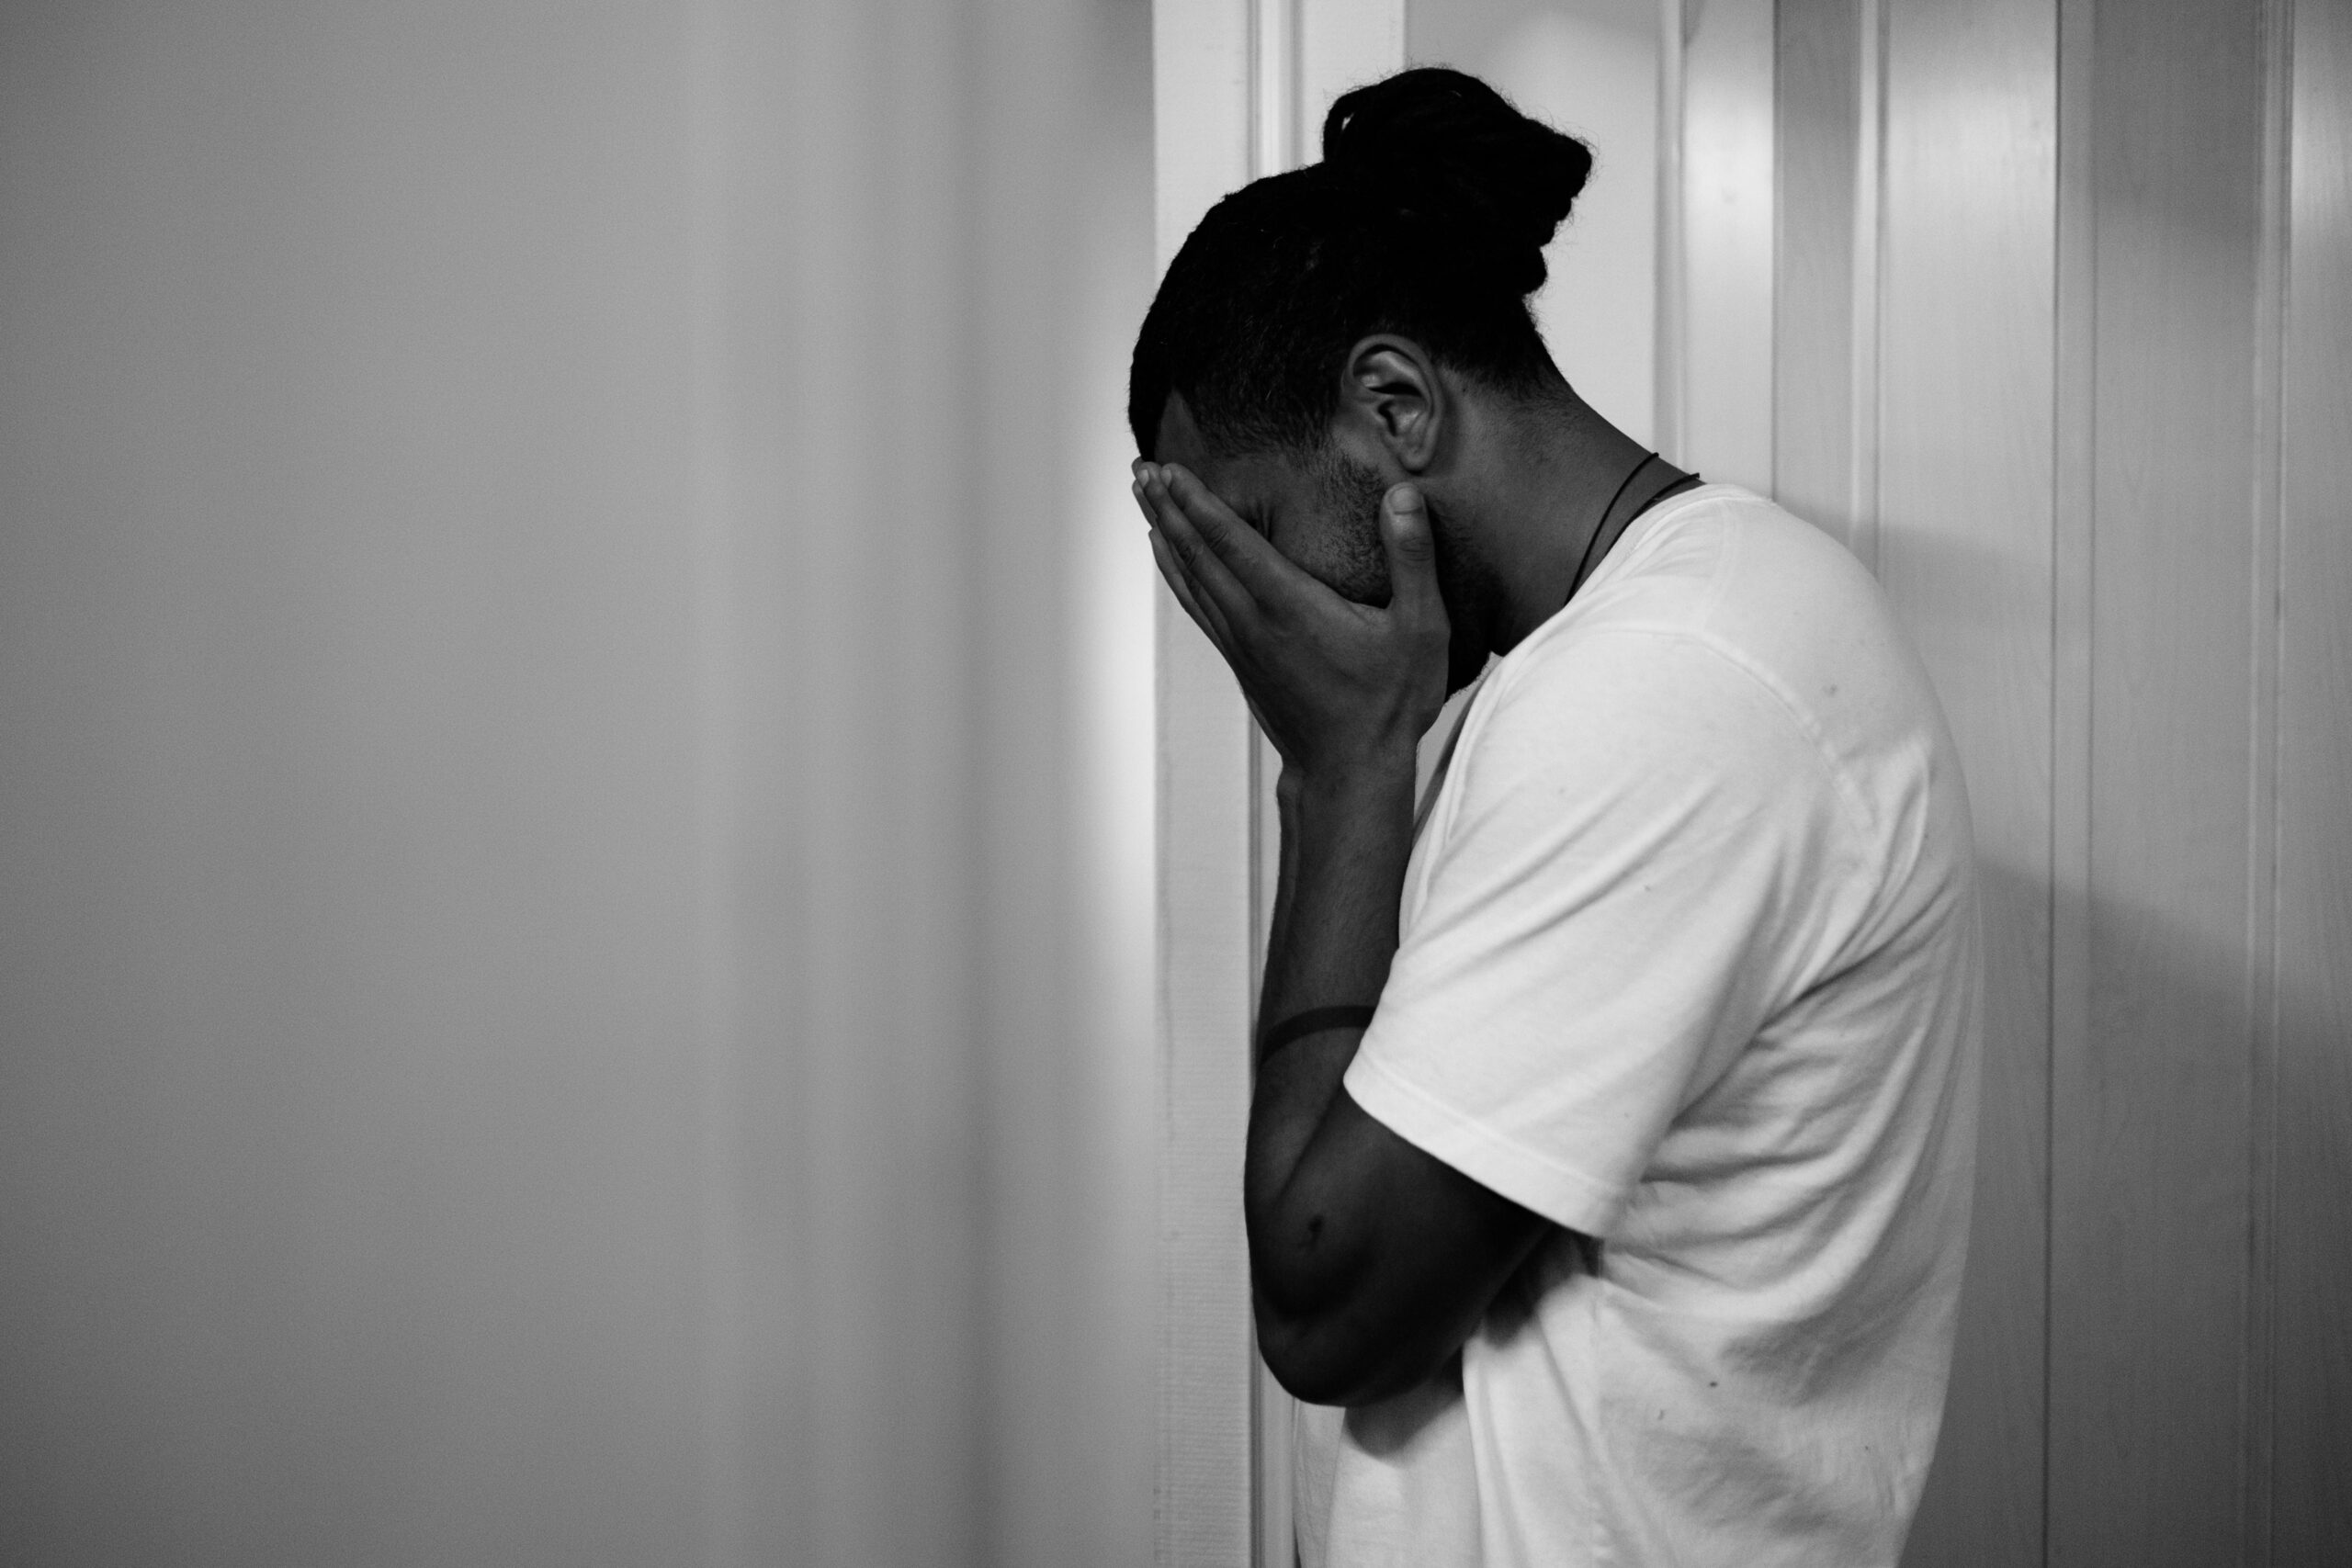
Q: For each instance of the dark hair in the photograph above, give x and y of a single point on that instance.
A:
(1427, 217)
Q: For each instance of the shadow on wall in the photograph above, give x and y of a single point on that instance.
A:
(2200, 1028)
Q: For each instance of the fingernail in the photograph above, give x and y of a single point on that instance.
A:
(1405, 497)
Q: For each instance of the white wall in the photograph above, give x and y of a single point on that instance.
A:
(2062, 349)
(574, 783)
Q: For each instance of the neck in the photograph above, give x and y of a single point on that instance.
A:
(1547, 520)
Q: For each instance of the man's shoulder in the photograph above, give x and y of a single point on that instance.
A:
(1636, 700)
(1748, 548)
(1772, 595)
(1735, 637)
(1719, 562)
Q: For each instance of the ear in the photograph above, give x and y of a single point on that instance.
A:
(1392, 392)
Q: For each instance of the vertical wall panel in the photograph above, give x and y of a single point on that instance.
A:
(881, 1329)
(1963, 540)
(1342, 44)
(1720, 424)
(1825, 286)
(1061, 256)
(1204, 107)
(2258, 1422)
(2311, 1168)
(2150, 1200)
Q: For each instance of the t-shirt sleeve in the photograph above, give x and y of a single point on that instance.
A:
(1610, 909)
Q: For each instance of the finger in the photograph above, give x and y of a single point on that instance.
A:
(1412, 555)
(1171, 562)
(1172, 570)
(1172, 573)
(1211, 579)
(1264, 572)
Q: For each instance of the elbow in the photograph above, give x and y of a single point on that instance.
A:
(1308, 1371)
(1326, 1361)
(1309, 1328)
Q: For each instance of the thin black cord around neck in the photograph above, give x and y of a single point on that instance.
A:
(1601, 526)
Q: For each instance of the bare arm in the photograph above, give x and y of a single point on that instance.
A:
(1371, 1261)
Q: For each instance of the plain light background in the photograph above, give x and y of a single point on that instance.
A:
(575, 783)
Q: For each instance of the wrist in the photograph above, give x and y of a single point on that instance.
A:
(1367, 776)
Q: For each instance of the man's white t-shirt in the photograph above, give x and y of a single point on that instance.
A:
(1689, 967)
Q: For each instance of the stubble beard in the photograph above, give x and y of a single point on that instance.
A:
(1355, 490)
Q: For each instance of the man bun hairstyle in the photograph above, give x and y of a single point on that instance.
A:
(1427, 217)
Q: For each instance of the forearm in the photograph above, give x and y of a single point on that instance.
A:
(1345, 844)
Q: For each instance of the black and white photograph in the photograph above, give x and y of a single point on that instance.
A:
(1176, 783)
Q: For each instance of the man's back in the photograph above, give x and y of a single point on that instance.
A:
(1689, 966)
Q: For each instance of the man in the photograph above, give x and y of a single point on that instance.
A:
(1609, 1163)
